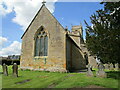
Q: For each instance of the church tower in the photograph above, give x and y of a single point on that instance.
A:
(79, 29)
(77, 34)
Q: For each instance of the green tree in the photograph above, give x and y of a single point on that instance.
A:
(103, 38)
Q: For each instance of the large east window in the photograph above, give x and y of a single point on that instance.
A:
(41, 43)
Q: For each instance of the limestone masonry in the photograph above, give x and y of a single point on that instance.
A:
(47, 46)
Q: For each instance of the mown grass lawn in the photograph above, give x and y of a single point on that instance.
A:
(57, 80)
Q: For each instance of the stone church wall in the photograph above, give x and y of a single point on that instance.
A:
(78, 61)
(75, 60)
(56, 59)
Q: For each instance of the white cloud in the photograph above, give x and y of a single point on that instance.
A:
(3, 40)
(5, 7)
(24, 10)
(13, 49)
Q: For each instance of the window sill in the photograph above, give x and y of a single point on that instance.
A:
(40, 57)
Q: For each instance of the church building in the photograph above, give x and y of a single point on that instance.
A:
(47, 46)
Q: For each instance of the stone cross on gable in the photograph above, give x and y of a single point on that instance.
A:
(43, 2)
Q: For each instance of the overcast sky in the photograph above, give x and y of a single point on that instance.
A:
(15, 16)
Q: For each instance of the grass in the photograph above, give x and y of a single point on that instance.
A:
(57, 80)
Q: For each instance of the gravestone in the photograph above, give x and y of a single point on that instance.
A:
(89, 72)
(101, 72)
(116, 66)
(106, 66)
(111, 67)
(15, 70)
(5, 69)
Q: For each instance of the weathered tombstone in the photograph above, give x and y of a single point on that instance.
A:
(15, 70)
(89, 72)
(101, 72)
(111, 67)
(5, 69)
(116, 66)
(106, 66)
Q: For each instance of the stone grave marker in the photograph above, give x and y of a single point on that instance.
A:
(116, 66)
(111, 67)
(15, 70)
(106, 66)
(89, 71)
(101, 72)
(5, 69)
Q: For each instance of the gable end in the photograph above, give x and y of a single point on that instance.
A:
(36, 16)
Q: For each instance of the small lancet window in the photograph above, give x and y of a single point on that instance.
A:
(41, 43)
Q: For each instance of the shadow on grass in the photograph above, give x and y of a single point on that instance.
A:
(24, 81)
(113, 74)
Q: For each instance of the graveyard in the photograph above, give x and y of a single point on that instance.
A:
(77, 50)
(42, 79)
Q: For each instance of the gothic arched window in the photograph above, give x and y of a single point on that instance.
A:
(41, 43)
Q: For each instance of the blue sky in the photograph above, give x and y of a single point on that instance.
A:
(74, 13)
(67, 13)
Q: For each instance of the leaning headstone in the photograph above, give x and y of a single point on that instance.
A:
(111, 67)
(101, 72)
(89, 72)
(5, 69)
(116, 66)
(15, 70)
